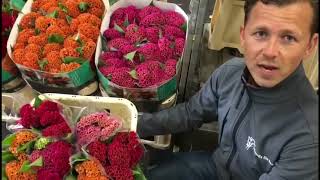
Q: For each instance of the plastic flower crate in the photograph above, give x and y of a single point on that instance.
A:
(79, 81)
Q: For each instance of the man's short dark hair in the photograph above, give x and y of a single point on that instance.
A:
(249, 4)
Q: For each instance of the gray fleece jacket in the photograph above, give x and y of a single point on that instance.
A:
(264, 133)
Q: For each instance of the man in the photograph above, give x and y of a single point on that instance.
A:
(266, 108)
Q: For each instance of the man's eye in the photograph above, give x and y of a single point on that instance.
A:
(289, 38)
(260, 34)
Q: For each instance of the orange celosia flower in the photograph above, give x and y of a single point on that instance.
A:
(19, 46)
(96, 7)
(28, 20)
(43, 22)
(21, 138)
(18, 55)
(24, 35)
(69, 67)
(70, 42)
(96, 11)
(31, 60)
(48, 5)
(61, 14)
(54, 29)
(90, 169)
(37, 4)
(89, 31)
(51, 47)
(54, 62)
(89, 49)
(12, 171)
(64, 52)
(89, 18)
(34, 48)
(72, 6)
(40, 39)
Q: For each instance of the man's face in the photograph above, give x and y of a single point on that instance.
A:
(275, 41)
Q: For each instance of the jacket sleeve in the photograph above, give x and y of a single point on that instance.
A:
(295, 163)
(202, 107)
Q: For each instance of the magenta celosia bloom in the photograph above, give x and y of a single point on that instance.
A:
(48, 174)
(111, 34)
(107, 70)
(154, 19)
(98, 150)
(123, 78)
(153, 34)
(147, 11)
(174, 19)
(119, 172)
(135, 34)
(47, 106)
(149, 51)
(172, 32)
(110, 54)
(28, 117)
(149, 73)
(57, 130)
(127, 49)
(166, 48)
(118, 154)
(56, 158)
(34, 155)
(116, 62)
(117, 43)
(50, 118)
(179, 45)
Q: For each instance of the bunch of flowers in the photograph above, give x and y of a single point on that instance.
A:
(46, 116)
(35, 157)
(58, 36)
(120, 157)
(143, 46)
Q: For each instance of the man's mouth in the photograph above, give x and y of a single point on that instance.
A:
(267, 67)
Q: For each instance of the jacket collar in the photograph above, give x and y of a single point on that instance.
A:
(283, 91)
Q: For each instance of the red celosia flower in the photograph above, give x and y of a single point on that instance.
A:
(110, 54)
(50, 118)
(56, 158)
(155, 19)
(147, 11)
(98, 150)
(119, 172)
(28, 117)
(47, 106)
(48, 174)
(179, 45)
(175, 19)
(111, 34)
(166, 48)
(173, 32)
(57, 130)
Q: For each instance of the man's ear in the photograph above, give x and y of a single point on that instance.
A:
(242, 36)
(312, 45)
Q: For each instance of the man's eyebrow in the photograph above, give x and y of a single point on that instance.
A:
(261, 28)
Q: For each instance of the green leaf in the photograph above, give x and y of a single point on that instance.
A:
(118, 28)
(4, 176)
(63, 8)
(130, 55)
(69, 19)
(79, 157)
(138, 173)
(78, 60)
(172, 45)
(71, 177)
(43, 63)
(83, 6)
(80, 50)
(126, 22)
(37, 31)
(38, 162)
(79, 41)
(8, 140)
(54, 14)
(25, 166)
(160, 34)
(184, 27)
(141, 57)
(37, 102)
(103, 43)
(133, 74)
(34, 130)
(19, 28)
(27, 146)
(55, 38)
(7, 156)
(111, 2)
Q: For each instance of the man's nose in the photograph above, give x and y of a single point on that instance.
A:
(271, 49)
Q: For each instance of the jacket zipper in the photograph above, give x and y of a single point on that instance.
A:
(234, 149)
